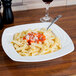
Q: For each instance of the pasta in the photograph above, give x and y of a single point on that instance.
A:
(36, 42)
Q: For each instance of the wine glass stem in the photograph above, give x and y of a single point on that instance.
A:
(47, 10)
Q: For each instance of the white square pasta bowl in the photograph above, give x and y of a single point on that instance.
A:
(7, 37)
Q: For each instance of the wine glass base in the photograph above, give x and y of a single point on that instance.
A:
(46, 19)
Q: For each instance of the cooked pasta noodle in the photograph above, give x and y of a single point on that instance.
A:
(36, 42)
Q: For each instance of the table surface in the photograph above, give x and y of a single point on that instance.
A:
(63, 66)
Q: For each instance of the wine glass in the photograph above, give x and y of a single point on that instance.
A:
(46, 18)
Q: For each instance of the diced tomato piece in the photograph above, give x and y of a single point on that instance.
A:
(24, 38)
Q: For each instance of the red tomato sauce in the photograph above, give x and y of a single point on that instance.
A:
(34, 37)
